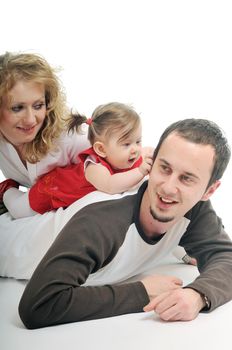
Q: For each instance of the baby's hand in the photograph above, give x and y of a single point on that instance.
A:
(147, 152)
(145, 167)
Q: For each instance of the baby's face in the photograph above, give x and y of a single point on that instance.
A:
(122, 154)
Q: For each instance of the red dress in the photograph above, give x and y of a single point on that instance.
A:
(63, 186)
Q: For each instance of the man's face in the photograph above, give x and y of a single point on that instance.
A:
(179, 178)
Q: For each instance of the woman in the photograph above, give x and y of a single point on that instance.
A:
(33, 141)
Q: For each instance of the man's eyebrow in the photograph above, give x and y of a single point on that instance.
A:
(191, 175)
(164, 161)
(185, 172)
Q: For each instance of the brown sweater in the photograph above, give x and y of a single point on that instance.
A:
(102, 245)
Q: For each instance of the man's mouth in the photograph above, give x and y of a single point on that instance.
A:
(166, 200)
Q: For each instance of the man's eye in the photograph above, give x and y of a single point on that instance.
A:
(17, 108)
(165, 168)
(186, 179)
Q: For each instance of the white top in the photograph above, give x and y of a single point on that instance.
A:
(68, 148)
(136, 256)
(24, 241)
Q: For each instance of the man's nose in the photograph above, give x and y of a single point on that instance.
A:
(170, 185)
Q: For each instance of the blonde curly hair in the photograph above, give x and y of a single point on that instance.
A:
(33, 67)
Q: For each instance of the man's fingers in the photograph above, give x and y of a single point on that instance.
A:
(164, 300)
(154, 302)
(178, 281)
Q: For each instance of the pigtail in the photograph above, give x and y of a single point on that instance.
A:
(75, 121)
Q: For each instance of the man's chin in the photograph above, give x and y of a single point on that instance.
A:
(161, 218)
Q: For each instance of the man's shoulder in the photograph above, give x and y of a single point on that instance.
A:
(106, 219)
(115, 203)
(200, 208)
(112, 210)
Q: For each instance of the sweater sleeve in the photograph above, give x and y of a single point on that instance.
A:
(207, 241)
(55, 294)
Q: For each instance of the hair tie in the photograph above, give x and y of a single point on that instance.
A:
(89, 121)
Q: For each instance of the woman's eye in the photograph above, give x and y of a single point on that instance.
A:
(39, 106)
(17, 108)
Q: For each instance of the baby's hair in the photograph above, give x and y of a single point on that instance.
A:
(107, 119)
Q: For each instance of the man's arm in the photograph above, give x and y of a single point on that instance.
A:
(58, 291)
(55, 295)
(207, 241)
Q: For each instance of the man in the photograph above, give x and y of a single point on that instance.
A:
(81, 276)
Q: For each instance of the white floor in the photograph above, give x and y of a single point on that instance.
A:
(134, 331)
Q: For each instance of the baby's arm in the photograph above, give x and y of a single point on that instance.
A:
(100, 177)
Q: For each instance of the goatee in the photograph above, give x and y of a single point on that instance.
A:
(160, 218)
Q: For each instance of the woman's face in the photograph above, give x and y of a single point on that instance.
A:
(22, 112)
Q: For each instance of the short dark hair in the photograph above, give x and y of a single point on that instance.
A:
(203, 132)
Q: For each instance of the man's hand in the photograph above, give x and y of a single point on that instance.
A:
(157, 284)
(177, 305)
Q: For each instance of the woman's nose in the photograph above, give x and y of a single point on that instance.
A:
(29, 117)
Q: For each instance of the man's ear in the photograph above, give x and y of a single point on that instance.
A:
(211, 190)
(99, 148)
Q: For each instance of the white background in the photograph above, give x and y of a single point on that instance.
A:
(169, 59)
